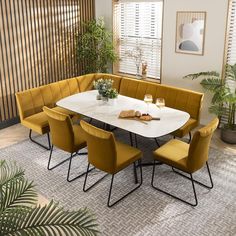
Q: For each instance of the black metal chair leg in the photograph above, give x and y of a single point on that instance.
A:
(110, 190)
(195, 181)
(135, 174)
(169, 194)
(131, 139)
(136, 140)
(86, 176)
(49, 161)
(41, 145)
(190, 137)
(80, 175)
(209, 173)
(157, 142)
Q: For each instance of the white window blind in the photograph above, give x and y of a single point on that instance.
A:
(138, 30)
(231, 46)
(231, 49)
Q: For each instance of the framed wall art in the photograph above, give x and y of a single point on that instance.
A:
(190, 32)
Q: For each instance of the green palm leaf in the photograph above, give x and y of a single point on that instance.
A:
(17, 193)
(9, 172)
(230, 72)
(209, 74)
(20, 216)
(218, 110)
(211, 84)
(49, 220)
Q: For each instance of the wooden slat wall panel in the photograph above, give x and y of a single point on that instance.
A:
(37, 45)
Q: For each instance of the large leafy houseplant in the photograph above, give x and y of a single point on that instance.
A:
(95, 47)
(224, 97)
(19, 214)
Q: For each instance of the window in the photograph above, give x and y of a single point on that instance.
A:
(231, 49)
(137, 36)
(231, 42)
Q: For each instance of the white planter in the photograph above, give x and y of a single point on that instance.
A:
(111, 101)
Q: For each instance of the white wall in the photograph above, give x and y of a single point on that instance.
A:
(176, 65)
(103, 8)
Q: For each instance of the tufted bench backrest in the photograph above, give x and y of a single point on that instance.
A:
(177, 98)
(31, 101)
(86, 81)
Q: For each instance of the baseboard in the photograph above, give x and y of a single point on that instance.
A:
(7, 123)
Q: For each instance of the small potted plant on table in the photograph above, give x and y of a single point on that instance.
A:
(105, 90)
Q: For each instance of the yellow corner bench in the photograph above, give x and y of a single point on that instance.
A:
(30, 102)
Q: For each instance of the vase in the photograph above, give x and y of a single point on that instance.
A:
(105, 99)
(111, 101)
(99, 97)
(138, 76)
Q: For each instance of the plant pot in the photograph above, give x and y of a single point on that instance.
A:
(228, 135)
(99, 97)
(112, 101)
(105, 99)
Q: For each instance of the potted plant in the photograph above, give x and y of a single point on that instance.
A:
(111, 93)
(20, 215)
(105, 90)
(224, 98)
(95, 47)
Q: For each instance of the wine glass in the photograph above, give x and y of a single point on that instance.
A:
(148, 100)
(160, 102)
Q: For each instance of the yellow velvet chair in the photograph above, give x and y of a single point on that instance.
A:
(187, 158)
(109, 155)
(65, 136)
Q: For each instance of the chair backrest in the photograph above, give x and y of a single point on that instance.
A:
(101, 147)
(199, 146)
(61, 130)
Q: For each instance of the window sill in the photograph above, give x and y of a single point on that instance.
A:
(134, 77)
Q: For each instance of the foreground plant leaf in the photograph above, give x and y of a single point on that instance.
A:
(48, 220)
(19, 214)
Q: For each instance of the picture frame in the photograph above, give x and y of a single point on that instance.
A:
(190, 32)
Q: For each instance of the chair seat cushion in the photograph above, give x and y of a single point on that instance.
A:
(186, 128)
(37, 122)
(126, 155)
(173, 153)
(79, 141)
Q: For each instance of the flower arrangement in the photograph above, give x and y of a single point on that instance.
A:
(112, 93)
(104, 87)
(137, 55)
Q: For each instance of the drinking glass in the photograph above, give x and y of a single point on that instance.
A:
(148, 100)
(160, 102)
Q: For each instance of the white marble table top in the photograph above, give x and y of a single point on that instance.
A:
(85, 103)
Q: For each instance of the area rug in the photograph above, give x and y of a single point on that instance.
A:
(146, 211)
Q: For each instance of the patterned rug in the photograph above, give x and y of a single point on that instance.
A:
(146, 211)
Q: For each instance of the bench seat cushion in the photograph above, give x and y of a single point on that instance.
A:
(37, 122)
(186, 128)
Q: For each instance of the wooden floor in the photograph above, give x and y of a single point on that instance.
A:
(17, 133)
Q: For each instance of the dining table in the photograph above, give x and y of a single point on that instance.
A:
(86, 103)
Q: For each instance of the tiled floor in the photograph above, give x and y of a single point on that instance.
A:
(17, 133)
